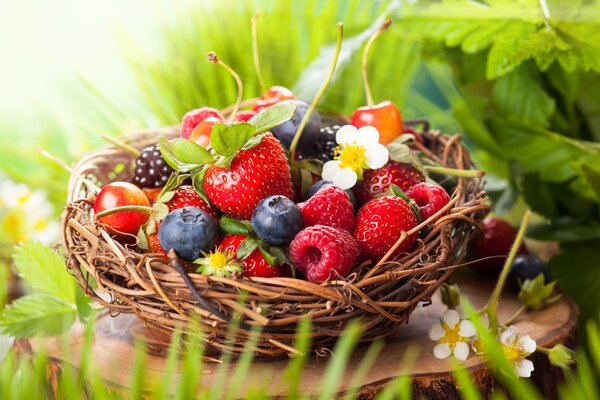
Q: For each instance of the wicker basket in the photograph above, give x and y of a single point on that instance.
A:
(381, 296)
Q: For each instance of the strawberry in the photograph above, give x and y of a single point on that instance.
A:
(379, 224)
(254, 174)
(378, 181)
(330, 206)
(186, 196)
(154, 245)
(254, 264)
(323, 252)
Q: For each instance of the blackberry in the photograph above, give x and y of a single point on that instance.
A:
(151, 170)
(325, 146)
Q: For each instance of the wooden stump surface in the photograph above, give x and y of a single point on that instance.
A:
(113, 351)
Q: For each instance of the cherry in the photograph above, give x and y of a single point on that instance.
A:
(384, 116)
(245, 115)
(194, 117)
(201, 133)
(272, 96)
(122, 194)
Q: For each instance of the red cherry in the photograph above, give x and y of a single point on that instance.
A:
(384, 116)
(272, 96)
(495, 242)
(201, 133)
(245, 115)
(192, 118)
(118, 194)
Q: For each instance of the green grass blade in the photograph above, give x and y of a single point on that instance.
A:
(137, 376)
(302, 341)
(464, 382)
(363, 369)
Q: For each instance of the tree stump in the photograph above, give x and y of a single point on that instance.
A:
(113, 352)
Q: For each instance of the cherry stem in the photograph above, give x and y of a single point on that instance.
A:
(261, 80)
(125, 146)
(213, 58)
(131, 208)
(467, 173)
(365, 58)
(313, 104)
(64, 166)
(492, 306)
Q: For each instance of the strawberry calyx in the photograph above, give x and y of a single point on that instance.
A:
(396, 191)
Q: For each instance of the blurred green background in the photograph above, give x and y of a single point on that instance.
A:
(518, 79)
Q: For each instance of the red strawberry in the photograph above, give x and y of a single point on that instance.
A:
(322, 252)
(254, 264)
(186, 196)
(429, 197)
(154, 245)
(379, 224)
(378, 181)
(254, 174)
(192, 118)
(152, 193)
(330, 206)
(494, 242)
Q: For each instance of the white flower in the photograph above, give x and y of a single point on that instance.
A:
(452, 336)
(517, 348)
(26, 214)
(358, 149)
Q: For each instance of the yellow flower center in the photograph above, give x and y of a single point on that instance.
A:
(219, 260)
(514, 353)
(352, 156)
(451, 337)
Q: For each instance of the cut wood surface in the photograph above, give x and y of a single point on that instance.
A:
(113, 351)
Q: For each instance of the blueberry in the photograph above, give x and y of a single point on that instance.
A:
(276, 220)
(319, 184)
(526, 267)
(189, 231)
(311, 133)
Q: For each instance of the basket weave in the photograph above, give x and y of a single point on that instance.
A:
(382, 297)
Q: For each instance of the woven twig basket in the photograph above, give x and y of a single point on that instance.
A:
(381, 296)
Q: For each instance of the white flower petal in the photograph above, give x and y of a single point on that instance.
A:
(467, 329)
(368, 136)
(330, 169)
(442, 351)
(527, 344)
(451, 318)
(436, 332)
(524, 368)
(346, 134)
(377, 156)
(509, 336)
(345, 179)
(461, 351)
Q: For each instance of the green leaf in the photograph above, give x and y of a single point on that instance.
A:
(193, 154)
(198, 183)
(401, 153)
(281, 255)
(520, 96)
(37, 314)
(535, 295)
(142, 239)
(273, 116)
(271, 260)
(246, 248)
(44, 270)
(565, 230)
(175, 180)
(83, 305)
(233, 226)
(227, 140)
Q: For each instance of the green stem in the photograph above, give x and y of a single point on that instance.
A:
(64, 166)
(213, 58)
(516, 315)
(261, 80)
(492, 306)
(144, 209)
(125, 146)
(467, 173)
(365, 57)
(313, 105)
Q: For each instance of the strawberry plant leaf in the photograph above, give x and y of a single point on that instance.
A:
(246, 248)
(37, 314)
(269, 258)
(198, 183)
(175, 180)
(141, 238)
(281, 255)
(394, 190)
(227, 140)
(233, 226)
(253, 142)
(169, 148)
(400, 152)
(272, 117)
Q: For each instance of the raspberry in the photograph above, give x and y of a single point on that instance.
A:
(322, 252)
(151, 170)
(192, 118)
(429, 197)
(330, 206)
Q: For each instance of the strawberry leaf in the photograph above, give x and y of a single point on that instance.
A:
(273, 116)
(183, 155)
(142, 239)
(400, 152)
(269, 258)
(227, 140)
(246, 248)
(198, 183)
(281, 255)
(253, 142)
(175, 180)
(234, 227)
(396, 191)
